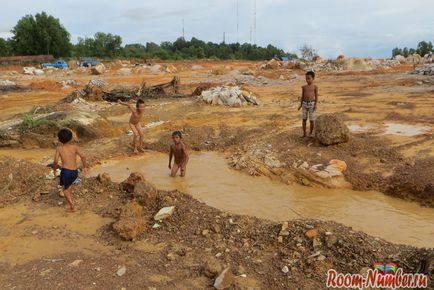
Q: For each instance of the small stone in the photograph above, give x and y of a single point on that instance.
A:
(104, 178)
(321, 258)
(164, 213)
(314, 255)
(156, 226)
(34, 232)
(316, 243)
(121, 271)
(75, 263)
(284, 230)
(305, 182)
(331, 240)
(205, 233)
(212, 267)
(216, 228)
(285, 269)
(280, 239)
(311, 233)
(218, 255)
(171, 256)
(224, 280)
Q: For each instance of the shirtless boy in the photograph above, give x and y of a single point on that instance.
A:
(67, 153)
(178, 150)
(136, 116)
(309, 99)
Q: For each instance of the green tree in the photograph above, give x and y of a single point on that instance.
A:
(41, 34)
(424, 47)
(396, 51)
(5, 47)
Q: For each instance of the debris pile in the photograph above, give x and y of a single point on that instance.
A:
(425, 70)
(228, 96)
(30, 70)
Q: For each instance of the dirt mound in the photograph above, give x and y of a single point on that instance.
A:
(22, 180)
(414, 181)
(329, 130)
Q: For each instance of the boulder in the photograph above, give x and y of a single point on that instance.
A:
(125, 71)
(170, 69)
(273, 64)
(399, 58)
(145, 193)
(98, 69)
(329, 130)
(130, 183)
(131, 223)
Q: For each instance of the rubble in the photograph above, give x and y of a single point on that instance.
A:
(30, 70)
(228, 96)
(425, 70)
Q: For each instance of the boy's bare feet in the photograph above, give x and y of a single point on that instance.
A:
(136, 151)
(71, 209)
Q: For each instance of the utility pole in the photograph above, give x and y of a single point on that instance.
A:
(224, 37)
(238, 24)
(183, 32)
(254, 22)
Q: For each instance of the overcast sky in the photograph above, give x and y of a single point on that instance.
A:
(352, 27)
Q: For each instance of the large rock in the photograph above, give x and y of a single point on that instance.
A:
(329, 130)
(131, 223)
(98, 69)
(130, 183)
(145, 193)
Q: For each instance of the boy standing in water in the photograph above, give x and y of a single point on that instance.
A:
(178, 150)
(67, 153)
(136, 116)
(309, 99)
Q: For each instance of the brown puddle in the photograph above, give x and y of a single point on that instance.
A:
(29, 232)
(210, 180)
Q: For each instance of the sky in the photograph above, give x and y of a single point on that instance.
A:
(359, 28)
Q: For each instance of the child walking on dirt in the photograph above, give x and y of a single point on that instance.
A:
(136, 116)
(309, 99)
(67, 153)
(178, 150)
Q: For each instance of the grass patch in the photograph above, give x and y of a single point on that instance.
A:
(28, 122)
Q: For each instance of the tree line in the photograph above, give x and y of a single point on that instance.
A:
(423, 48)
(44, 34)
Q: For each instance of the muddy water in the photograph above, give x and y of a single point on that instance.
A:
(30, 232)
(211, 181)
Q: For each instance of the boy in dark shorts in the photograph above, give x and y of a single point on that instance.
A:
(178, 150)
(67, 153)
(309, 99)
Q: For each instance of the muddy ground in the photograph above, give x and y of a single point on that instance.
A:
(391, 150)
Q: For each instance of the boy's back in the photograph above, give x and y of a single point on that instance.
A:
(68, 154)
